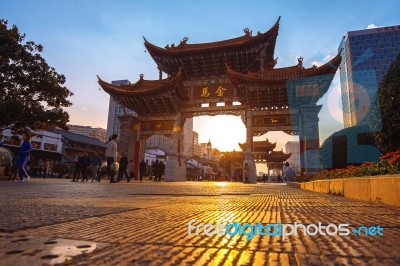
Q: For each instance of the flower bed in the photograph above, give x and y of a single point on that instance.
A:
(388, 165)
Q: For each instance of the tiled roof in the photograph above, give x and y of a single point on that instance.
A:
(80, 138)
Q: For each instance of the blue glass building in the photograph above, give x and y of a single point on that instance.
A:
(366, 57)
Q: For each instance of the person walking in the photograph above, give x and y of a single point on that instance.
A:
(142, 169)
(23, 153)
(162, 169)
(78, 166)
(285, 168)
(86, 161)
(155, 170)
(123, 166)
(96, 162)
(131, 172)
(14, 169)
(111, 154)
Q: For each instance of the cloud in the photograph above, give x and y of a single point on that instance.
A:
(323, 61)
(373, 26)
(334, 103)
(83, 108)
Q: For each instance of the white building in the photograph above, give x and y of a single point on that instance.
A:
(293, 147)
(98, 133)
(115, 110)
(41, 140)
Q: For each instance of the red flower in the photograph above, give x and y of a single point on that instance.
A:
(388, 155)
(394, 160)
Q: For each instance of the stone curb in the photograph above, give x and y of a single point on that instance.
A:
(382, 189)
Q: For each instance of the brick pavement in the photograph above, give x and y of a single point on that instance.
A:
(146, 224)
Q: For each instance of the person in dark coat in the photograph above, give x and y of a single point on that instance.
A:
(78, 167)
(156, 169)
(14, 168)
(85, 162)
(142, 169)
(161, 172)
(123, 166)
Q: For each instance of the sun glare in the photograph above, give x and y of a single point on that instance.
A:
(224, 131)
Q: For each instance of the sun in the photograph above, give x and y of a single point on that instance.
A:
(224, 131)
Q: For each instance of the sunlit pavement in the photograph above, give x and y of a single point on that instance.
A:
(48, 221)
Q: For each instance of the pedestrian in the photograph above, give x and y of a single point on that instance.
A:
(86, 161)
(290, 174)
(24, 151)
(102, 171)
(131, 172)
(162, 169)
(285, 167)
(96, 162)
(111, 154)
(14, 169)
(155, 170)
(78, 165)
(159, 171)
(142, 169)
(123, 166)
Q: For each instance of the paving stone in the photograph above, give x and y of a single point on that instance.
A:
(147, 224)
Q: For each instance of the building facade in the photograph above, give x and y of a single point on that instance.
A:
(47, 147)
(115, 110)
(74, 144)
(197, 148)
(97, 133)
(293, 147)
(366, 57)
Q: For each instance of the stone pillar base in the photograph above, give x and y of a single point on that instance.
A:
(252, 172)
(173, 171)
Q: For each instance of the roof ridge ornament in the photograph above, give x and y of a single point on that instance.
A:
(184, 40)
(141, 76)
(300, 63)
(248, 32)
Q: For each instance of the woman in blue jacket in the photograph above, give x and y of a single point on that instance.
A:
(24, 151)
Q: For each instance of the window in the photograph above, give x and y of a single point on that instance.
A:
(14, 140)
(50, 147)
(36, 144)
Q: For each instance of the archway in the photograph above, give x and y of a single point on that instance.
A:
(208, 78)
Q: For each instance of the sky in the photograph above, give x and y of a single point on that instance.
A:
(83, 39)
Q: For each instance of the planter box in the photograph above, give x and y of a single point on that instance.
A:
(386, 190)
(321, 186)
(336, 186)
(357, 188)
(382, 189)
(309, 186)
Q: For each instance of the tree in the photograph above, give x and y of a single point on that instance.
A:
(386, 116)
(32, 94)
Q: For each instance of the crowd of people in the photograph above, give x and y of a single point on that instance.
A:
(113, 168)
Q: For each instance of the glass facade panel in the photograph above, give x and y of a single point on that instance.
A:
(366, 57)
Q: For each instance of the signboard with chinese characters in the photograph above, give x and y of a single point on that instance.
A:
(157, 125)
(271, 120)
(213, 89)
